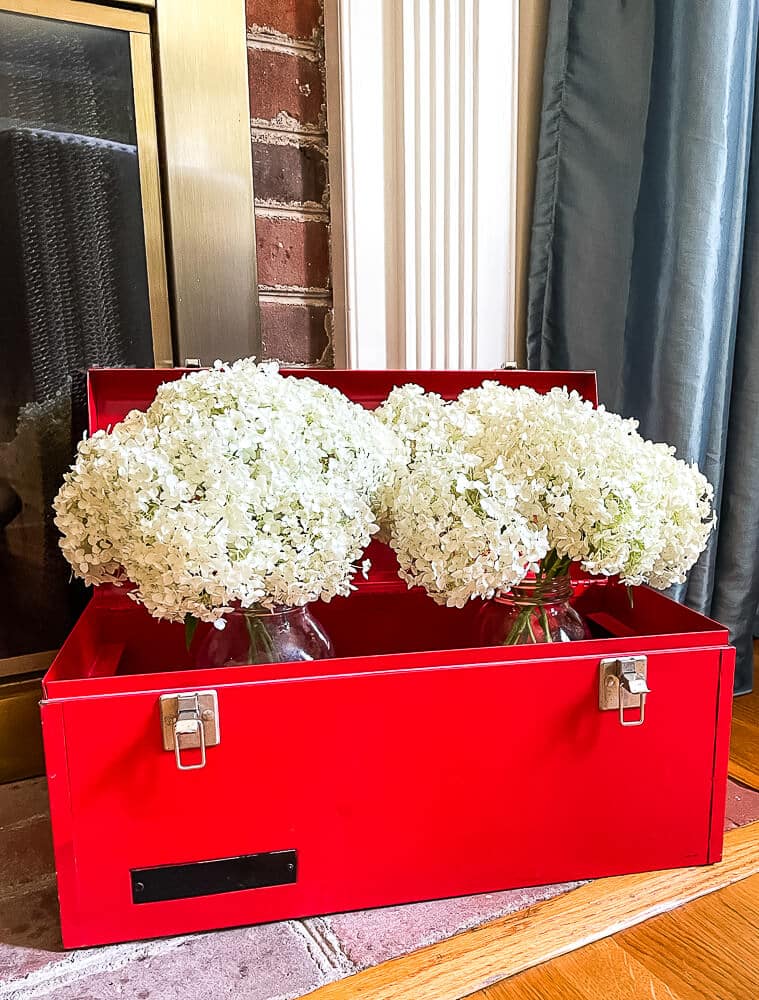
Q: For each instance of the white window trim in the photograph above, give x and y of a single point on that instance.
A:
(422, 109)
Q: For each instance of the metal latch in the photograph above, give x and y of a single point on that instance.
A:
(622, 683)
(190, 722)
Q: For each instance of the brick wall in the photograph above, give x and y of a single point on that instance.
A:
(289, 132)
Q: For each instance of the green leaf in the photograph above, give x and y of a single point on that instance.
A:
(190, 624)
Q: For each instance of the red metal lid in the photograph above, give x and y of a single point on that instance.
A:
(113, 392)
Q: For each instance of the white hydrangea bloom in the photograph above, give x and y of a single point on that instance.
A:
(461, 537)
(583, 478)
(424, 422)
(236, 486)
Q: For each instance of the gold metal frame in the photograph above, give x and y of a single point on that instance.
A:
(21, 754)
(150, 189)
(208, 173)
(81, 12)
(29, 663)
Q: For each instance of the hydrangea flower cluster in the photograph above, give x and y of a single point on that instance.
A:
(503, 482)
(237, 486)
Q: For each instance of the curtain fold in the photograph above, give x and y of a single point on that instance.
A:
(645, 249)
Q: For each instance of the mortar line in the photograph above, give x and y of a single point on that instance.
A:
(295, 295)
(286, 125)
(321, 940)
(302, 211)
(275, 41)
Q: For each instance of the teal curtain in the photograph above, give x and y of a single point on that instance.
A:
(645, 249)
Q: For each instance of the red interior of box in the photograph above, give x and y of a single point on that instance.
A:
(113, 392)
(117, 642)
(116, 639)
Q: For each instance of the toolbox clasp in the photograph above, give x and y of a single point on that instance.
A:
(189, 721)
(622, 684)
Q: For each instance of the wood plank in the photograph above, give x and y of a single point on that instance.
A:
(603, 969)
(467, 962)
(746, 708)
(705, 949)
(746, 776)
(551, 983)
(744, 740)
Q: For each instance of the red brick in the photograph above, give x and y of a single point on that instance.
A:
(255, 963)
(281, 82)
(296, 18)
(742, 804)
(295, 333)
(289, 174)
(292, 253)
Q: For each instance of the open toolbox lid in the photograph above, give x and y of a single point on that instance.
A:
(113, 392)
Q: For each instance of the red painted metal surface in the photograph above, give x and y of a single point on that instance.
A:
(721, 753)
(113, 392)
(411, 766)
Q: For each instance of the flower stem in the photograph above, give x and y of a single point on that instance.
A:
(519, 626)
(551, 566)
(190, 624)
(529, 624)
(547, 637)
(260, 649)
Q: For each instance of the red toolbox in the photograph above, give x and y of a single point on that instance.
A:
(409, 767)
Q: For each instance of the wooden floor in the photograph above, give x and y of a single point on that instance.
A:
(507, 947)
(707, 949)
(744, 746)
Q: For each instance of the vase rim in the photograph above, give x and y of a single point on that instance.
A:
(278, 609)
(535, 591)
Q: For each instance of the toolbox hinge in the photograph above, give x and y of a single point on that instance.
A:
(623, 684)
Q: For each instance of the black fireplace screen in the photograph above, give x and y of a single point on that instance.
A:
(73, 288)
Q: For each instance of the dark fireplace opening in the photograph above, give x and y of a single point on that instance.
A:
(73, 288)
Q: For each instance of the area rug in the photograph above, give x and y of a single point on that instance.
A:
(280, 961)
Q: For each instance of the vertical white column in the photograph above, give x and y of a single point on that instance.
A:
(494, 165)
(425, 108)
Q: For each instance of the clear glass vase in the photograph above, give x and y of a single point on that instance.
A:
(260, 635)
(538, 610)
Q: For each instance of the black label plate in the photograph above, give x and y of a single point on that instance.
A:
(207, 878)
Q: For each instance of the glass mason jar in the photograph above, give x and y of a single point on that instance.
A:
(260, 635)
(537, 610)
